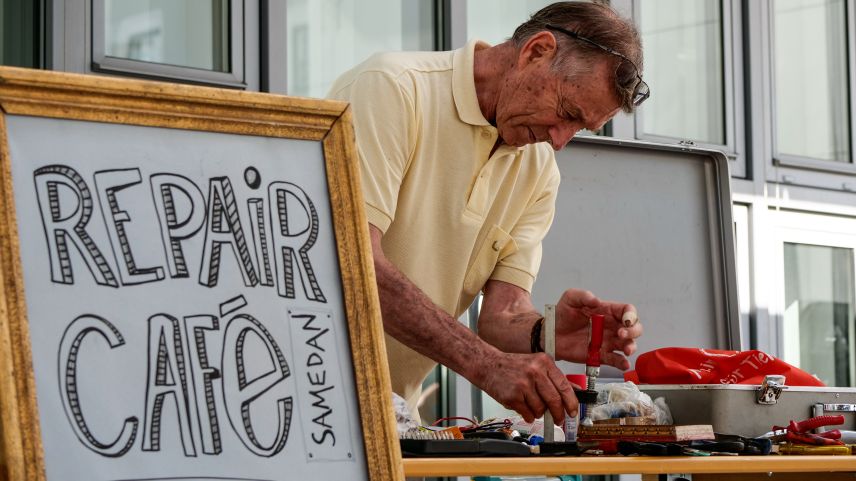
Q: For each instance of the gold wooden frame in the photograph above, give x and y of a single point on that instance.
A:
(156, 104)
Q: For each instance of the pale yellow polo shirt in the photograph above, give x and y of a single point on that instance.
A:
(453, 216)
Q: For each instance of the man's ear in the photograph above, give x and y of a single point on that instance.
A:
(540, 47)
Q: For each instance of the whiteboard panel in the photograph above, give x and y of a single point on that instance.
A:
(185, 304)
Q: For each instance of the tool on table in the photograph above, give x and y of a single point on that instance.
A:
(462, 447)
(813, 450)
(752, 446)
(642, 448)
(799, 432)
(578, 448)
(817, 422)
(592, 364)
(550, 349)
(653, 433)
(718, 446)
(589, 396)
(572, 423)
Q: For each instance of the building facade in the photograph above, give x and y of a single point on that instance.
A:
(772, 83)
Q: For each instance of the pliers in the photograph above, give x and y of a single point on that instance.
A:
(731, 446)
(751, 446)
(798, 432)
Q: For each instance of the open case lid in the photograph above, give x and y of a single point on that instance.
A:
(647, 224)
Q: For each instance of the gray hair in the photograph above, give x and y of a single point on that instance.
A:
(599, 23)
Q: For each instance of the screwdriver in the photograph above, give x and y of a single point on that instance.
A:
(593, 360)
(810, 450)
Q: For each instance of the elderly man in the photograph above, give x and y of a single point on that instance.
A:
(460, 181)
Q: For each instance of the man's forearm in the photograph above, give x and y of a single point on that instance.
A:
(413, 319)
(507, 317)
(529, 384)
(512, 333)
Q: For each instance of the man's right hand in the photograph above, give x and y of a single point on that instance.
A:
(527, 383)
(530, 384)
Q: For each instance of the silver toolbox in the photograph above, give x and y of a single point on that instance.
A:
(648, 224)
(734, 408)
(651, 224)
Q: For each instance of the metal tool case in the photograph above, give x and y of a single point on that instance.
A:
(651, 224)
(735, 408)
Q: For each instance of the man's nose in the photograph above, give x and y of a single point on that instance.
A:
(560, 135)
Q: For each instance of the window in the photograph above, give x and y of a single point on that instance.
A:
(327, 37)
(817, 298)
(21, 33)
(196, 40)
(494, 21)
(819, 311)
(693, 65)
(812, 108)
(683, 42)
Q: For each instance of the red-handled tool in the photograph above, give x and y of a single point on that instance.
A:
(834, 434)
(812, 439)
(593, 358)
(799, 432)
(595, 343)
(814, 423)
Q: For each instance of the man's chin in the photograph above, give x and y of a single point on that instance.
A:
(515, 142)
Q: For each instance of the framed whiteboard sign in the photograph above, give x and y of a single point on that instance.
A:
(187, 287)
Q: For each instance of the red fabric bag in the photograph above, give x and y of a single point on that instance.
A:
(688, 365)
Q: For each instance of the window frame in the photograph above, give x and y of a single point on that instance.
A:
(101, 62)
(70, 48)
(816, 229)
(743, 271)
(802, 170)
(732, 74)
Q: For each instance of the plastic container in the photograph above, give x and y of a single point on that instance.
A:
(572, 422)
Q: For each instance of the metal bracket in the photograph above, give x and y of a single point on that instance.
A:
(550, 349)
(820, 409)
(835, 408)
(770, 389)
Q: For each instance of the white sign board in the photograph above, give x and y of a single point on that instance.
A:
(185, 304)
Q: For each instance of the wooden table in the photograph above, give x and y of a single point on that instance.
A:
(732, 468)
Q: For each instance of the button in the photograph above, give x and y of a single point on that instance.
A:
(485, 133)
(496, 245)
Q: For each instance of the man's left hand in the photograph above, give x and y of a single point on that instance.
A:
(621, 327)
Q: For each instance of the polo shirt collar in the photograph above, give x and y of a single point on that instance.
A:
(464, 84)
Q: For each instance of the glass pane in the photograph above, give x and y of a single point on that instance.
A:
(20, 35)
(684, 66)
(431, 406)
(187, 33)
(495, 20)
(811, 79)
(819, 311)
(327, 37)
